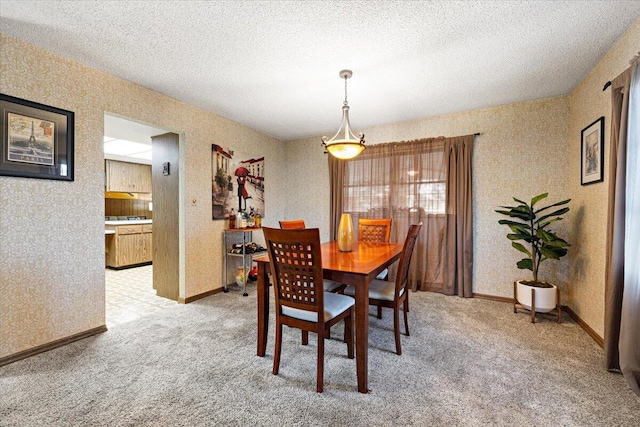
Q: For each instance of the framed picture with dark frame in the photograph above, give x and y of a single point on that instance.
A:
(37, 140)
(592, 153)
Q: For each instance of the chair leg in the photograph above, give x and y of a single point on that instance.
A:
(276, 355)
(379, 312)
(320, 375)
(348, 332)
(406, 321)
(305, 337)
(396, 328)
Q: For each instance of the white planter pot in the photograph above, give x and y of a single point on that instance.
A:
(546, 299)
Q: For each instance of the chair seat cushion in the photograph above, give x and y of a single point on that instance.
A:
(331, 285)
(378, 289)
(334, 305)
(383, 274)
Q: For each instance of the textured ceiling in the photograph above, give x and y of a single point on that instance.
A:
(273, 66)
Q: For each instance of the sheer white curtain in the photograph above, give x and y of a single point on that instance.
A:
(629, 345)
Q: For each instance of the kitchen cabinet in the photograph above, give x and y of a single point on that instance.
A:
(130, 244)
(127, 177)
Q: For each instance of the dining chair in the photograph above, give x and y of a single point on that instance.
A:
(296, 265)
(298, 224)
(394, 294)
(375, 230)
(295, 224)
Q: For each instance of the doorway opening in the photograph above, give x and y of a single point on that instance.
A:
(129, 295)
(129, 257)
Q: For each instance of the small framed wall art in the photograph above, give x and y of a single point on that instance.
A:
(37, 140)
(592, 153)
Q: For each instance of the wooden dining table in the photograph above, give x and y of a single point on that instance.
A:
(358, 267)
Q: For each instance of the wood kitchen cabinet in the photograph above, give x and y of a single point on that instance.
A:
(127, 177)
(131, 244)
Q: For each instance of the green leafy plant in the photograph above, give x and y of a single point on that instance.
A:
(530, 224)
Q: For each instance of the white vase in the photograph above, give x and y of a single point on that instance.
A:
(546, 299)
(345, 233)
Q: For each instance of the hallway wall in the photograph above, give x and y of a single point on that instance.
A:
(52, 232)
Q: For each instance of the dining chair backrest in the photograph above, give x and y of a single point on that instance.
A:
(295, 224)
(402, 277)
(374, 230)
(296, 267)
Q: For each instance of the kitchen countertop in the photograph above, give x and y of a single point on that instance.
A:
(129, 222)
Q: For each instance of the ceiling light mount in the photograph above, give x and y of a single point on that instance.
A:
(346, 74)
(344, 144)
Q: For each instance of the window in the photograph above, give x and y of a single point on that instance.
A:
(396, 182)
(412, 182)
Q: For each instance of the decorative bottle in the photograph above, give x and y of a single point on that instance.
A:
(239, 220)
(245, 219)
(252, 218)
(345, 233)
(232, 219)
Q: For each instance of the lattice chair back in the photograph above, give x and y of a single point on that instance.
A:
(402, 277)
(296, 267)
(374, 230)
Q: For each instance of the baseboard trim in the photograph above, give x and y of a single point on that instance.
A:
(52, 345)
(193, 298)
(593, 334)
(492, 298)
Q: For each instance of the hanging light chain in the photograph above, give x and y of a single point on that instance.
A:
(345, 91)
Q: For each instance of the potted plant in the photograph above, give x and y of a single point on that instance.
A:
(530, 224)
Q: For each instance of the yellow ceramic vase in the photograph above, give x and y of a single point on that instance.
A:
(240, 277)
(345, 233)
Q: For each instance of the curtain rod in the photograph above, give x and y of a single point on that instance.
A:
(476, 134)
(631, 61)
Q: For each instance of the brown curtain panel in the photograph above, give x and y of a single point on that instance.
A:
(336, 180)
(426, 180)
(459, 242)
(614, 268)
(622, 290)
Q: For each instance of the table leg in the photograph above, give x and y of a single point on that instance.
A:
(362, 335)
(262, 289)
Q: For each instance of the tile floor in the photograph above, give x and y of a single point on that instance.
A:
(130, 295)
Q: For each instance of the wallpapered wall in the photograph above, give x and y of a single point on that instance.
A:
(587, 103)
(52, 232)
(522, 151)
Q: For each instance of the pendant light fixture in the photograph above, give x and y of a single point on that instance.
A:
(344, 144)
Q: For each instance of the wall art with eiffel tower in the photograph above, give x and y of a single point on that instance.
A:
(37, 140)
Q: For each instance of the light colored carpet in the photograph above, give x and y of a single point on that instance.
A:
(467, 362)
